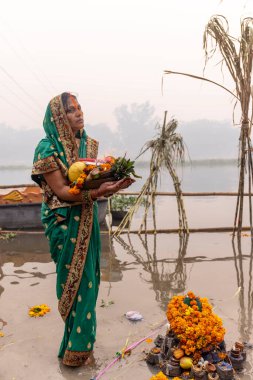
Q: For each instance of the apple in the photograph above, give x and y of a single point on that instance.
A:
(110, 160)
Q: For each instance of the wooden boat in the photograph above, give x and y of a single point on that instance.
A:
(20, 207)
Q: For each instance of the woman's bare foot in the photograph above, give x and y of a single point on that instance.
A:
(90, 360)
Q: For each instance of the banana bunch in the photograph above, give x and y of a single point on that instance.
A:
(123, 168)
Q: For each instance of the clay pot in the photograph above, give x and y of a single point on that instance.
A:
(235, 353)
(213, 376)
(171, 368)
(167, 346)
(154, 356)
(236, 359)
(210, 368)
(225, 371)
(240, 346)
(159, 340)
(186, 376)
(199, 372)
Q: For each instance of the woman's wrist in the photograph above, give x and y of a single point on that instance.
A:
(87, 196)
(94, 193)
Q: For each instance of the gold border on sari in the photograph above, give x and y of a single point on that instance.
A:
(75, 358)
(45, 165)
(91, 147)
(78, 260)
(65, 132)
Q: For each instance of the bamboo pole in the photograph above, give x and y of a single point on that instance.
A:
(188, 194)
(157, 193)
(191, 230)
(150, 232)
(17, 186)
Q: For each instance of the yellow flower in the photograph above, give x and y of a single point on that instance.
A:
(38, 310)
(1, 334)
(159, 376)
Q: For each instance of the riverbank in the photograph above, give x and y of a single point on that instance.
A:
(132, 279)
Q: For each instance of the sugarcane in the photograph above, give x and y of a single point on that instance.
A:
(166, 149)
(237, 55)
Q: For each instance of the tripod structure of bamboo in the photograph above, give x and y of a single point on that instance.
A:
(237, 56)
(166, 148)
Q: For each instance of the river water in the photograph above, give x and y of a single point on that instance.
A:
(137, 273)
(212, 175)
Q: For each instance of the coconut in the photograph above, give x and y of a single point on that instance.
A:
(75, 170)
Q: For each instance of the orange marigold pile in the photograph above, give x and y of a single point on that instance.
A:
(194, 324)
(159, 376)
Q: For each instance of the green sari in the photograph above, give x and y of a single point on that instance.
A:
(73, 233)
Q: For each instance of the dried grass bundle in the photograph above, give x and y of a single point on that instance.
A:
(166, 148)
(237, 55)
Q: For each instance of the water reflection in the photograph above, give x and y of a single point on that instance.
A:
(165, 282)
(244, 283)
(110, 265)
(33, 248)
(246, 293)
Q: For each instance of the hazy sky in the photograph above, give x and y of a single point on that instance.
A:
(110, 52)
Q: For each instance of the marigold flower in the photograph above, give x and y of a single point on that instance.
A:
(80, 181)
(196, 328)
(74, 190)
(38, 310)
(160, 376)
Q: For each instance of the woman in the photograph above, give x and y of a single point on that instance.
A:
(71, 224)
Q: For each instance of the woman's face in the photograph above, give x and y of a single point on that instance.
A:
(74, 114)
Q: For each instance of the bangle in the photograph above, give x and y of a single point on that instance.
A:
(86, 196)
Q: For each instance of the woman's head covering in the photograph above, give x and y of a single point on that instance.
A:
(58, 131)
(58, 150)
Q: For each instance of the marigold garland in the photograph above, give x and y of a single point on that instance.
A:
(196, 330)
(39, 310)
(159, 376)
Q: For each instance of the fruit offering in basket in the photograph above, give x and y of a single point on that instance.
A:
(89, 173)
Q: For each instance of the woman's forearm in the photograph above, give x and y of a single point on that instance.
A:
(65, 195)
(60, 187)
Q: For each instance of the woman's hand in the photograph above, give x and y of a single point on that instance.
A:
(109, 188)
